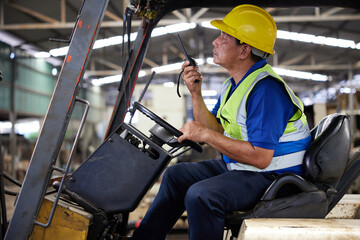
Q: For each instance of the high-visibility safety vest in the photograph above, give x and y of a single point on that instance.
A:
(232, 116)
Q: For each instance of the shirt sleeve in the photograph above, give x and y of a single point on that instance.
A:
(269, 108)
(216, 109)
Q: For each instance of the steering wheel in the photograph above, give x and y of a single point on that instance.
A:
(161, 122)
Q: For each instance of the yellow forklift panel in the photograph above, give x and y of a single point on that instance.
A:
(69, 222)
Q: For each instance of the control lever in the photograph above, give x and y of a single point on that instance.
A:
(132, 110)
(188, 58)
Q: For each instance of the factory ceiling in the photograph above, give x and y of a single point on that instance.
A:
(309, 38)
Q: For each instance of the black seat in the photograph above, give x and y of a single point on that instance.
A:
(328, 172)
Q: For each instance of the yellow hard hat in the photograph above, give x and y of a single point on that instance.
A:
(250, 24)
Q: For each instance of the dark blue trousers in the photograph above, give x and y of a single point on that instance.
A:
(208, 191)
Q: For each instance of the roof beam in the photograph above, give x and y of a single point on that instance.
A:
(98, 73)
(1, 13)
(176, 51)
(187, 12)
(63, 11)
(319, 67)
(150, 62)
(33, 13)
(198, 14)
(294, 60)
(332, 11)
(113, 16)
(320, 18)
(108, 64)
(136, 23)
(179, 15)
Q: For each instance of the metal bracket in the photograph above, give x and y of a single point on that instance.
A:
(66, 170)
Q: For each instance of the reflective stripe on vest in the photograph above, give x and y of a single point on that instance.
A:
(279, 162)
(233, 118)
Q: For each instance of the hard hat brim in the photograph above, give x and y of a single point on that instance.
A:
(219, 24)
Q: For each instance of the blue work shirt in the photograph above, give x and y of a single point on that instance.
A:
(269, 109)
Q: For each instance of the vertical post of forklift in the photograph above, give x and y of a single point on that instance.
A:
(56, 120)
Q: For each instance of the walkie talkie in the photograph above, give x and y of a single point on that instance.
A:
(188, 58)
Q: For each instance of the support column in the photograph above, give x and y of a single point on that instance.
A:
(12, 114)
(351, 106)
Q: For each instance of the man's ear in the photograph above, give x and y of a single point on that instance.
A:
(245, 51)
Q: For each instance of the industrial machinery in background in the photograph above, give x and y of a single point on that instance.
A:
(94, 202)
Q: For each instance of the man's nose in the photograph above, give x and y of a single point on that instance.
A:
(214, 42)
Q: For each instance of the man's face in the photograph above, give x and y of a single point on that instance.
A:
(225, 50)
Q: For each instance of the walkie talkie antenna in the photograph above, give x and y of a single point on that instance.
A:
(183, 48)
(188, 58)
(191, 61)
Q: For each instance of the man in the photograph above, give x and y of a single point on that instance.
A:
(258, 126)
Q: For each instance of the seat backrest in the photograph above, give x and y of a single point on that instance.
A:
(327, 157)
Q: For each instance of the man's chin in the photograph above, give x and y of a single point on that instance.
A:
(217, 62)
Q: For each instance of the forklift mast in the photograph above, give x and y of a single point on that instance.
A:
(43, 160)
(52, 133)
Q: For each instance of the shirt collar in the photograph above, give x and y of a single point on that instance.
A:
(253, 68)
